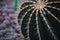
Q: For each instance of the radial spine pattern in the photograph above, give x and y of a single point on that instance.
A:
(33, 17)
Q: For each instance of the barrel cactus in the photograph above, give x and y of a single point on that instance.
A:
(37, 21)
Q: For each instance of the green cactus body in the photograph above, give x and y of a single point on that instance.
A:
(15, 4)
(36, 21)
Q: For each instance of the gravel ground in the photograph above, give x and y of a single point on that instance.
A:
(9, 27)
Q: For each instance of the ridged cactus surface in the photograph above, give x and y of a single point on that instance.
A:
(38, 21)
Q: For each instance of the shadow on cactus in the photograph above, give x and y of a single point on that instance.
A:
(38, 20)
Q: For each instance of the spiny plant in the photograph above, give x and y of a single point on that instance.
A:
(36, 20)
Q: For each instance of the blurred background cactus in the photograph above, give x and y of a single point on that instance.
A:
(40, 19)
(16, 4)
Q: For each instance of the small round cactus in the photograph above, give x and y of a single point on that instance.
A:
(36, 20)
